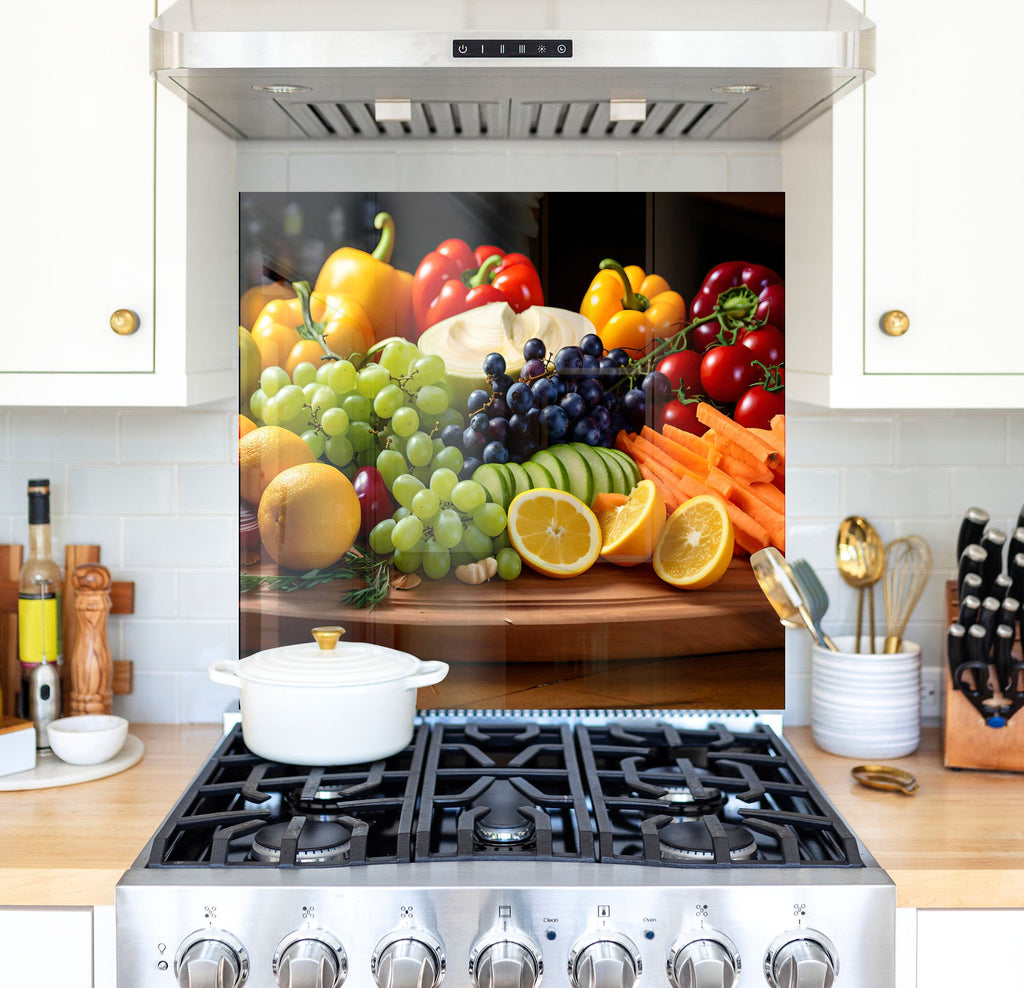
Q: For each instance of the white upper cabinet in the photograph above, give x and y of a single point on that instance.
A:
(907, 199)
(96, 218)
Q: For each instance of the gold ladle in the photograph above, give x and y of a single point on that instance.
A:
(860, 558)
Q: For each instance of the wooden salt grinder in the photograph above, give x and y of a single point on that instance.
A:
(92, 670)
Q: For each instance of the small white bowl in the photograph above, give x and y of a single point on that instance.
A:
(88, 739)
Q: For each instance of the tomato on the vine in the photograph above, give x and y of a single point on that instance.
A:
(682, 368)
(726, 372)
(767, 344)
(682, 415)
(757, 408)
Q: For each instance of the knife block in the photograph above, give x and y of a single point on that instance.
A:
(967, 741)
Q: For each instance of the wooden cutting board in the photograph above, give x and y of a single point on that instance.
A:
(607, 613)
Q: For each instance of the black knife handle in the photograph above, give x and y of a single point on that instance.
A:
(1000, 586)
(1016, 570)
(970, 608)
(988, 619)
(981, 689)
(1020, 518)
(1009, 612)
(1004, 644)
(1016, 545)
(973, 524)
(977, 660)
(993, 542)
(972, 560)
(956, 650)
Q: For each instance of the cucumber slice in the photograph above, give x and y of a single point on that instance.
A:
(519, 477)
(581, 480)
(616, 472)
(553, 465)
(495, 479)
(632, 470)
(598, 470)
(539, 475)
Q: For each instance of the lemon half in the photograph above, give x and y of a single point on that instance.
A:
(555, 533)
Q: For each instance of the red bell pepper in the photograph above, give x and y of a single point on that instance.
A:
(740, 310)
(453, 279)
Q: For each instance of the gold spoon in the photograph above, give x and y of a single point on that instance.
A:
(775, 578)
(860, 558)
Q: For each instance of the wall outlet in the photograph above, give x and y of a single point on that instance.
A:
(931, 694)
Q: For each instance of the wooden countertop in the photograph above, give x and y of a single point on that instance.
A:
(958, 843)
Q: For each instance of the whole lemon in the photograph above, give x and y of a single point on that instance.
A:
(263, 453)
(309, 516)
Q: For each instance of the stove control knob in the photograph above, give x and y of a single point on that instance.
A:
(408, 959)
(606, 960)
(211, 959)
(709, 960)
(801, 959)
(505, 962)
(310, 959)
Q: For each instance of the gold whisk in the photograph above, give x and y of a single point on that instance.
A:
(908, 563)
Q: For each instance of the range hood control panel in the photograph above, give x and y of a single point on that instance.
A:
(512, 48)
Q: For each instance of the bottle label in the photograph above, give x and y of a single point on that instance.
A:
(39, 632)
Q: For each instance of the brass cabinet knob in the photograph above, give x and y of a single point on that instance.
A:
(124, 322)
(895, 323)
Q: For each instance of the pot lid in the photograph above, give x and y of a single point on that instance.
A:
(326, 662)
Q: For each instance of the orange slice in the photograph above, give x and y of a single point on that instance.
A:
(695, 548)
(555, 533)
(630, 531)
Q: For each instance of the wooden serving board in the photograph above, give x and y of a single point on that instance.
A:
(608, 613)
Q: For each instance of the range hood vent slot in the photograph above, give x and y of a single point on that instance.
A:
(354, 119)
(591, 118)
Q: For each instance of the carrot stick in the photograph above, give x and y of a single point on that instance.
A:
(691, 461)
(740, 495)
(777, 443)
(778, 426)
(668, 494)
(771, 495)
(727, 428)
(743, 467)
(647, 451)
(695, 444)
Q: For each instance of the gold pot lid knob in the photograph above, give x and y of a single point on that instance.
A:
(895, 322)
(327, 637)
(124, 322)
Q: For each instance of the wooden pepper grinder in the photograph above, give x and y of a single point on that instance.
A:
(92, 670)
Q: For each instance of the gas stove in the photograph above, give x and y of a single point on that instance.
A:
(589, 849)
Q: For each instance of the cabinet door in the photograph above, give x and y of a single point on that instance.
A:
(46, 948)
(76, 203)
(944, 137)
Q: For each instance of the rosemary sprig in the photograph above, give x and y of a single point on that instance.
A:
(372, 570)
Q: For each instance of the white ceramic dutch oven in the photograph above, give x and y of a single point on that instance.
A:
(326, 703)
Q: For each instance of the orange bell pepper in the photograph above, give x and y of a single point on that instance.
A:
(384, 292)
(646, 311)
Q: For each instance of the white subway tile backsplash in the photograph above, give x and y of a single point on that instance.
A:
(942, 439)
(897, 492)
(185, 437)
(156, 592)
(154, 699)
(14, 478)
(999, 490)
(179, 645)
(180, 541)
(119, 489)
(578, 169)
(470, 172)
(209, 593)
(73, 437)
(209, 490)
(666, 171)
(104, 531)
(811, 491)
(839, 439)
(203, 701)
(755, 172)
(342, 173)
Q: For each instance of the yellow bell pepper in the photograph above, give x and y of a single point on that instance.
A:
(646, 311)
(383, 291)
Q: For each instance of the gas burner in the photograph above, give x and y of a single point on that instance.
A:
(318, 843)
(502, 823)
(691, 841)
(682, 802)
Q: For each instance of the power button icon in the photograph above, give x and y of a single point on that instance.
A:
(463, 49)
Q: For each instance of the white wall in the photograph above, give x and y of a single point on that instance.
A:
(158, 489)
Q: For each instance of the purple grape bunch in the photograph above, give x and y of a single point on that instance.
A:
(570, 396)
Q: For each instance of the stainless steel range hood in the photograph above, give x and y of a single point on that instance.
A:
(530, 69)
